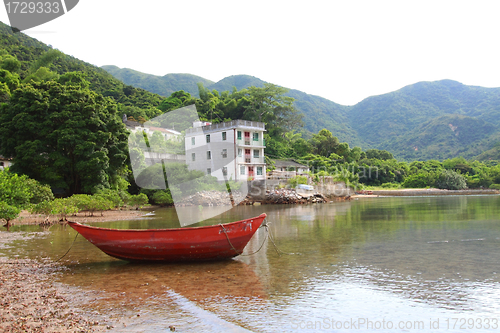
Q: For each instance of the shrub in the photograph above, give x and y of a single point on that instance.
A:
(111, 195)
(420, 180)
(138, 200)
(14, 190)
(8, 212)
(390, 185)
(44, 207)
(98, 203)
(495, 186)
(294, 181)
(162, 198)
(63, 208)
(451, 180)
(80, 201)
(40, 192)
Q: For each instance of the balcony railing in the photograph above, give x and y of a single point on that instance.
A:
(251, 142)
(250, 159)
(228, 125)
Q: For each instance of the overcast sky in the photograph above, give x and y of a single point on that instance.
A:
(341, 50)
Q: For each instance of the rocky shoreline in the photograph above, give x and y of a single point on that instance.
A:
(277, 196)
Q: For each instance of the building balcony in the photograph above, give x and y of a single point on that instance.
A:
(250, 159)
(229, 125)
(256, 143)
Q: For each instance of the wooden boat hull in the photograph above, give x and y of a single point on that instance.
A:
(214, 242)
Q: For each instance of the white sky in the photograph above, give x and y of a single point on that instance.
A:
(341, 50)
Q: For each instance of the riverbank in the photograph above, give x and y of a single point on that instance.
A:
(25, 218)
(30, 301)
(426, 192)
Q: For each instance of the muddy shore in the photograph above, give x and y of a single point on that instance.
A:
(30, 300)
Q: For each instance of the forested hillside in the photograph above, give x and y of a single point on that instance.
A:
(430, 120)
(161, 85)
(410, 122)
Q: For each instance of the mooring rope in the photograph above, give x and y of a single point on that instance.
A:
(268, 235)
(69, 248)
(241, 253)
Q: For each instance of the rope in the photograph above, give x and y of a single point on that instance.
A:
(278, 251)
(241, 253)
(24, 263)
(68, 249)
(268, 235)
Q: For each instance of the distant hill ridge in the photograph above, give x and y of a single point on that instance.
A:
(425, 120)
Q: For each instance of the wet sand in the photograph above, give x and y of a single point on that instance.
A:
(31, 300)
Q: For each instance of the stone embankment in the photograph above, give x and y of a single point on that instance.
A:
(210, 198)
(432, 191)
(287, 196)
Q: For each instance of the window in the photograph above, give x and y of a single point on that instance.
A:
(256, 137)
(224, 171)
(255, 153)
(193, 157)
(242, 170)
(239, 135)
(240, 152)
(224, 153)
(209, 171)
(209, 155)
(193, 141)
(208, 138)
(259, 171)
(223, 136)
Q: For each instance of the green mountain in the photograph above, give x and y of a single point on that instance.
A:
(237, 81)
(319, 112)
(444, 137)
(161, 85)
(427, 120)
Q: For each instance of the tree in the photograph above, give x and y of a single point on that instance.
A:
(451, 180)
(324, 143)
(63, 134)
(8, 212)
(14, 189)
(269, 104)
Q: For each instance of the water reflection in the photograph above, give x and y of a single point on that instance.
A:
(393, 258)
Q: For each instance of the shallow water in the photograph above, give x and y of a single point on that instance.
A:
(370, 265)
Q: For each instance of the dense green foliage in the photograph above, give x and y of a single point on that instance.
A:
(161, 85)
(8, 212)
(63, 134)
(20, 191)
(426, 120)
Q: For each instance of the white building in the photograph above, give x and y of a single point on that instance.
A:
(5, 162)
(230, 150)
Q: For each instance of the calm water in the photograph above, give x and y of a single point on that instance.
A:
(410, 264)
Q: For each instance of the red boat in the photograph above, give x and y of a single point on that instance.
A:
(216, 242)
